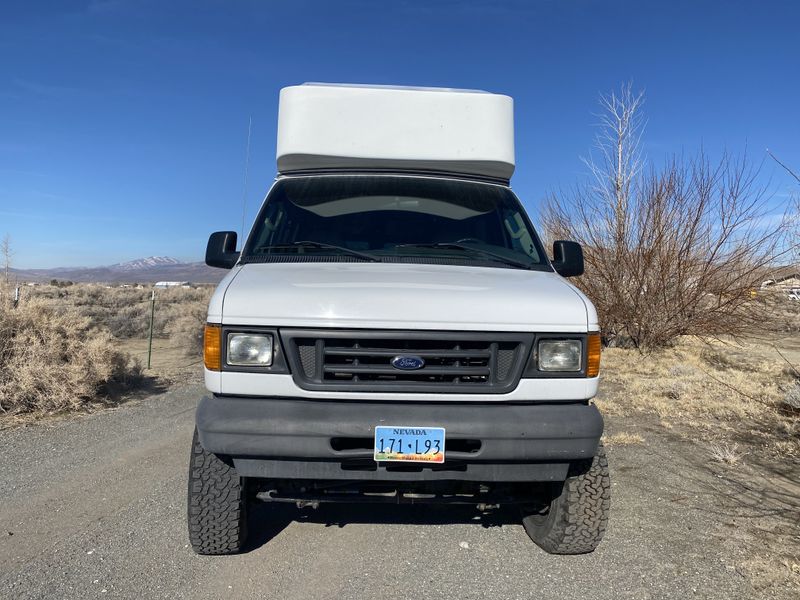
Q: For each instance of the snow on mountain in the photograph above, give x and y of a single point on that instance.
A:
(145, 263)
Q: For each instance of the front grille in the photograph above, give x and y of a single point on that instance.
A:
(362, 360)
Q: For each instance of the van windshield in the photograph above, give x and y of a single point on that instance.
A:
(390, 218)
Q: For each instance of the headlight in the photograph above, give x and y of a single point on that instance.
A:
(560, 355)
(249, 349)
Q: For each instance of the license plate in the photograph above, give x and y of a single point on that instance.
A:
(409, 444)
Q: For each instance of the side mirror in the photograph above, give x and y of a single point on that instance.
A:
(221, 250)
(567, 258)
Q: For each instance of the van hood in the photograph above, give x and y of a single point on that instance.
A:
(400, 296)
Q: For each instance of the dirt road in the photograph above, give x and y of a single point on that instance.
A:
(94, 506)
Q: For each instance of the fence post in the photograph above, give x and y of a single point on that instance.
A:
(152, 313)
(16, 296)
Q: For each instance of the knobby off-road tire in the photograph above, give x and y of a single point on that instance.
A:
(576, 519)
(217, 504)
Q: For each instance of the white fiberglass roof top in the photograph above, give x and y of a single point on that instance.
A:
(354, 126)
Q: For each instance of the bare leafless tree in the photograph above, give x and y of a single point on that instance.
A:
(5, 250)
(794, 201)
(617, 160)
(784, 166)
(673, 250)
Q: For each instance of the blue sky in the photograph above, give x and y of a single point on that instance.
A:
(123, 123)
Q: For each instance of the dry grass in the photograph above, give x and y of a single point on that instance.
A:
(728, 454)
(720, 388)
(764, 569)
(622, 438)
(169, 365)
(733, 405)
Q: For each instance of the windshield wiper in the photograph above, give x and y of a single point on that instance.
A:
(313, 244)
(466, 248)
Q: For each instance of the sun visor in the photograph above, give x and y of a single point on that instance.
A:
(350, 127)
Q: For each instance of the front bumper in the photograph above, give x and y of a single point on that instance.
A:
(288, 438)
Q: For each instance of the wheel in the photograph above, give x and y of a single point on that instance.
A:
(576, 518)
(217, 504)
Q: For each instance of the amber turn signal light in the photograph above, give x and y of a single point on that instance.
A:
(593, 355)
(212, 342)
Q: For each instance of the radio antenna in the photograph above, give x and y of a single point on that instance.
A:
(246, 171)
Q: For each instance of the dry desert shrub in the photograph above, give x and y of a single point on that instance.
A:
(728, 454)
(186, 330)
(125, 311)
(53, 360)
(670, 250)
(784, 311)
(791, 400)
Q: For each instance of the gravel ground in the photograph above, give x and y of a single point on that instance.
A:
(94, 506)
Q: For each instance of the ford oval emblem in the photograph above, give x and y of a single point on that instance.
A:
(407, 363)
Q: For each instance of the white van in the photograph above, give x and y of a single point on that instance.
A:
(392, 329)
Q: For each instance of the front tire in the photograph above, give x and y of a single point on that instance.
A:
(217, 504)
(576, 519)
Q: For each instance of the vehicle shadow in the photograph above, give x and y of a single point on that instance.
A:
(266, 520)
(136, 388)
(339, 515)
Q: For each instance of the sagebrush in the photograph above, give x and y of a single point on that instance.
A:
(125, 311)
(54, 359)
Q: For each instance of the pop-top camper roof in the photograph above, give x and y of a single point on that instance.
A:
(337, 126)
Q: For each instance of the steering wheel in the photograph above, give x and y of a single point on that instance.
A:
(469, 239)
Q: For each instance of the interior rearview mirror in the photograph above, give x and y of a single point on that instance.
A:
(567, 258)
(221, 250)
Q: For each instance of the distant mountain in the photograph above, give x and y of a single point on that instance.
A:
(146, 263)
(141, 270)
